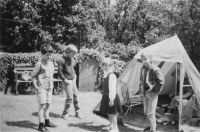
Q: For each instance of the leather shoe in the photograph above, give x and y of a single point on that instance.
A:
(42, 128)
(50, 124)
(146, 129)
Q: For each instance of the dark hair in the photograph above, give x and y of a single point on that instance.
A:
(45, 48)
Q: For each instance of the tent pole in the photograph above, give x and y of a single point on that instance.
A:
(176, 80)
(182, 74)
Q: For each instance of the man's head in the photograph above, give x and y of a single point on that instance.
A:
(146, 60)
(70, 51)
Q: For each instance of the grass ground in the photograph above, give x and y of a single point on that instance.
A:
(19, 114)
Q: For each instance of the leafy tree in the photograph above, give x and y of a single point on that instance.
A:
(26, 24)
(118, 30)
(182, 18)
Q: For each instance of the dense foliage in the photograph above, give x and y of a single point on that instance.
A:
(6, 59)
(118, 28)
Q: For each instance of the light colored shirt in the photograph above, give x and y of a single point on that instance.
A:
(112, 86)
(44, 74)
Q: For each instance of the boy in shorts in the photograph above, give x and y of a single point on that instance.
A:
(43, 81)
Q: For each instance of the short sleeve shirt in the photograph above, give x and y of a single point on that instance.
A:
(44, 74)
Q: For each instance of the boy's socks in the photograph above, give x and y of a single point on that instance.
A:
(66, 116)
(49, 124)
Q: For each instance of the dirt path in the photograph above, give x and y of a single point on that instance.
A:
(19, 114)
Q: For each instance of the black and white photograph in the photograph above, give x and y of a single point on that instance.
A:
(99, 65)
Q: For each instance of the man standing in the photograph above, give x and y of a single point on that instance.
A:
(67, 74)
(151, 84)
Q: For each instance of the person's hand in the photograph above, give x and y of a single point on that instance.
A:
(141, 88)
(68, 81)
(151, 86)
(38, 90)
(177, 97)
(111, 103)
(14, 71)
(141, 95)
(171, 95)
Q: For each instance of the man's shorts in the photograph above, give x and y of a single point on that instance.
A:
(45, 96)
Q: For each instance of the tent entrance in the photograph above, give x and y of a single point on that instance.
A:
(179, 90)
(170, 51)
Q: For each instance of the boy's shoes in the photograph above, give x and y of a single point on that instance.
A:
(120, 122)
(49, 124)
(65, 116)
(146, 129)
(78, 115)
(42, 128)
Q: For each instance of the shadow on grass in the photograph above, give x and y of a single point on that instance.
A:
(128, 129)
(23, 124)
(90, 127)
(54, 115)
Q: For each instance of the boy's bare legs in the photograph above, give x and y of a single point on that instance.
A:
(46, 111)
(41, 118)
(46, 116)
(41, 113)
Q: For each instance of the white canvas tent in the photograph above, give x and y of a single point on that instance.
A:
(170, 51)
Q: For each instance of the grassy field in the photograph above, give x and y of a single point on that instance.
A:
(19, 114)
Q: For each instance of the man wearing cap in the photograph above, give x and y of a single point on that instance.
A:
(151, 84)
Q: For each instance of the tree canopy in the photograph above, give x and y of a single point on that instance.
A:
(115, 28)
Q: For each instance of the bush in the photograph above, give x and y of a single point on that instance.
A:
(123, 52)
(6, 59)
(87, 53)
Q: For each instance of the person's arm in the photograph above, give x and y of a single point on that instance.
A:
(188, 92)
(35, 84)
(187, 95)
(159, 78)
(60, 70)
(112, 88)
(35, 74)
(61, 74)
(141, 85)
